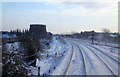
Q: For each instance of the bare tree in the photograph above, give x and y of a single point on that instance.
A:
(31, 45)
(105, 30)
(106, 34)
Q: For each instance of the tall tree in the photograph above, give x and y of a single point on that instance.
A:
(31, 45)
(106, 34)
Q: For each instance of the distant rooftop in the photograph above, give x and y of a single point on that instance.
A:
(37, 25)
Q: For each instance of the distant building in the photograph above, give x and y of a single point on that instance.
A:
(38, 29)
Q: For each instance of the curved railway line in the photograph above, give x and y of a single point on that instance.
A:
(69, 61)
(83, 59)
(103, 62)
(98, 58)
(88, 60)
(106, 55)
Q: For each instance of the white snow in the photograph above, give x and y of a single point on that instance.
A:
(53, 60)
(12, 47)
(66, 59)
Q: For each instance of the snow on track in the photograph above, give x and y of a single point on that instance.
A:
(97, 63)
(77, 57)
(76, 65)
(93, 63)
(60, 70)
(107, 53)
(111, 65)
(48, 63)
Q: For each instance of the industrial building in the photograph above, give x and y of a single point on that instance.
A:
(38, 29)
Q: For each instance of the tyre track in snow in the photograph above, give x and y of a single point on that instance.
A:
(102, 61)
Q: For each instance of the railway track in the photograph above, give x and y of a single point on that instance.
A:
(76, 46)
(65, 73)
(106, 55)
(103, 62)
(83, 59)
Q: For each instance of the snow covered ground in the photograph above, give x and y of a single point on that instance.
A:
(77, 57)
(53, 58)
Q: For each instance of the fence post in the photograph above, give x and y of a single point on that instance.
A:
(39, 71)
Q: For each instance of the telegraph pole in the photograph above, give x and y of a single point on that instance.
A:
(92, 38)
(39, 71)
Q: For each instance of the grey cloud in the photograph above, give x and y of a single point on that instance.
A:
(87, 5)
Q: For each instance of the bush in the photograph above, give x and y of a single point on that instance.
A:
(31, 45)
(13, 66)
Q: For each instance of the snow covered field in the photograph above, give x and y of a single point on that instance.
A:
(77, 57)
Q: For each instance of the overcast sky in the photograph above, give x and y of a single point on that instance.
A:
(61, 16)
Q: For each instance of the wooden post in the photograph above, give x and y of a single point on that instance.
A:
(92, 38)
(39, 71)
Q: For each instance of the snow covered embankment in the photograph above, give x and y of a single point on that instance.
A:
(55, 60)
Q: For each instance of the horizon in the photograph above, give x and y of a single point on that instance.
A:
(72, 32)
